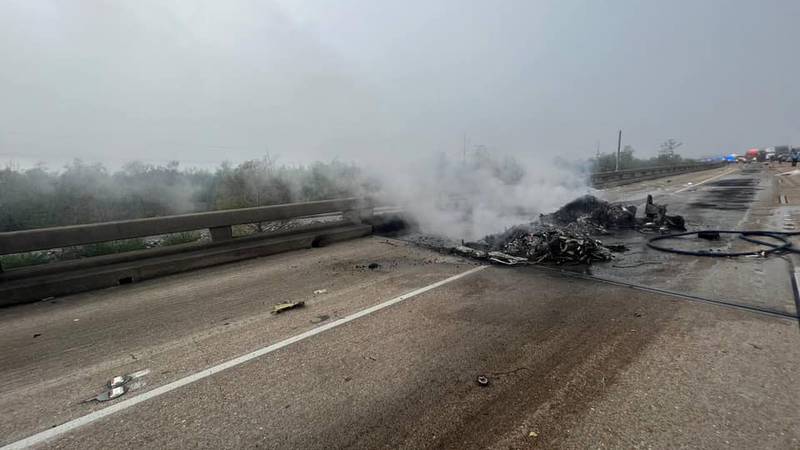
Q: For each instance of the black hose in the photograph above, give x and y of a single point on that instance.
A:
(785, 245)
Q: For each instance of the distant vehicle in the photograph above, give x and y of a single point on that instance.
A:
(751, 155)
(769, 153)
(782, 153)
(762, 155)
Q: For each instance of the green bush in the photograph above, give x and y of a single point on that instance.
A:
(23, 259)
(111, 247)
(180, 238)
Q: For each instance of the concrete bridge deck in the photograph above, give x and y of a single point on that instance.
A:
(388, 357)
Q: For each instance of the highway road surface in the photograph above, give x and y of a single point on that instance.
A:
(389, 356)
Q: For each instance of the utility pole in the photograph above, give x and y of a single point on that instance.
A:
(465, 148)
(619, 146)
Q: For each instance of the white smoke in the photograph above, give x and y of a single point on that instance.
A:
(473, 196)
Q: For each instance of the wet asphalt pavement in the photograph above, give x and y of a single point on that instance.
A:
(742, 198)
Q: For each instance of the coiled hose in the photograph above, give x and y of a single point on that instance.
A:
(784, 245)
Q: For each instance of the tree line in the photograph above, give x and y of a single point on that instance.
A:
(606, 162)
(86, 193)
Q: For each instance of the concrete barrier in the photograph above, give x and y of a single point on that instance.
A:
(620, 177)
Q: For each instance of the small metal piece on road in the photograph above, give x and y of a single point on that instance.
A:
(320, 291)
(118, 381)
(482, 381)
(281, 307)
(373, 266)
(110, 394)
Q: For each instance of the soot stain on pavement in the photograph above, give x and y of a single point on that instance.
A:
(572, 350)
(733, 194)
(565, 380)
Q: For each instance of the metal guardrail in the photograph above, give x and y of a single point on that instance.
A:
(633, 175)
(218, 222)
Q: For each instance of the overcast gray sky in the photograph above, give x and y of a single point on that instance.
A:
(366, 80)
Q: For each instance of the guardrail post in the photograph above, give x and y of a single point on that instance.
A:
(221, 233)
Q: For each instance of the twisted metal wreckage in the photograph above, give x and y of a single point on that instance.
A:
(565, 236)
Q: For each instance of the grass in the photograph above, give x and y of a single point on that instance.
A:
(90, 250)
(180, 238)
(111, 247)
(23, 260)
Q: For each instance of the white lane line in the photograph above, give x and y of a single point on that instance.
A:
(796, 287)
(125, 404)
(705, 181)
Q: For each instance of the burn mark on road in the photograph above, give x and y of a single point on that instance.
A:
(733, 194)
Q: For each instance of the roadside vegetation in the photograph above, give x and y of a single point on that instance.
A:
(606, 162)
(87, 193)
(23, 260)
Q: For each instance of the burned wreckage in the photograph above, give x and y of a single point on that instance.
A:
(565, 236)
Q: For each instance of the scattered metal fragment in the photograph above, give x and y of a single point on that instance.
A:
(35, 335)
(373, 266)
(550, 244)
(118, 381)
(320, 291)
(463, 250)
(120, 385)
(508, 260)
(281, 307)
(482, 381)
(110, 394)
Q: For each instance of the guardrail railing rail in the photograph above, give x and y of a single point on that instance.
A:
(218, 223)
(633, 175)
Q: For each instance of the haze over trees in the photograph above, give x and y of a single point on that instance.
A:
(87, 193)
(606, 162)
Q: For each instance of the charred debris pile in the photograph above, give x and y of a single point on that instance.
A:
(566, 236)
